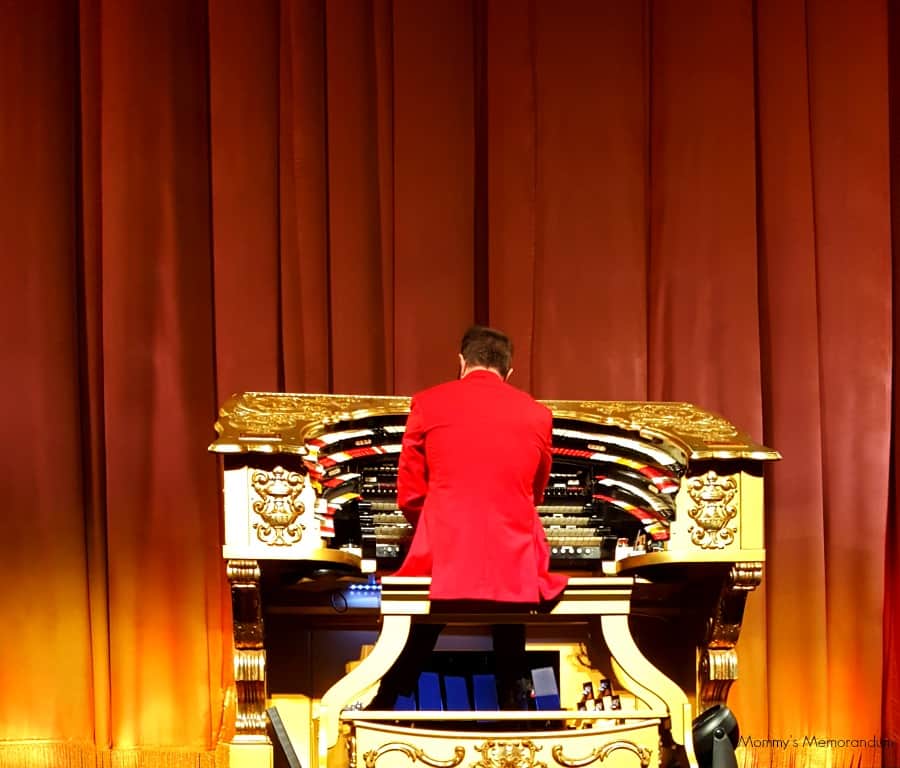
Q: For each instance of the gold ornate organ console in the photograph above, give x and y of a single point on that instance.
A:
(654, 509)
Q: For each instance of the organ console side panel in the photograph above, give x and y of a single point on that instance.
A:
(666, 495)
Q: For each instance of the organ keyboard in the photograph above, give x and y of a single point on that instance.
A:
(639, 490)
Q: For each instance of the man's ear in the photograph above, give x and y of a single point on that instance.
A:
(508, 374)
(462, 365)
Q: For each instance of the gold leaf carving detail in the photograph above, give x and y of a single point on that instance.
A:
(678, 418)
(719, 662)
(713, 496)
(508, 754)
(272, 422)
(250, 685)
(601, 753)
(284, 416)
(243, 571)
(413, 753)
(278, 505)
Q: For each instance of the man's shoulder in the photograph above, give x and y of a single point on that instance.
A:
(541, 411)
(527, 400)
(435, 398)
(516, 400)
(437, 391)
(506, 395)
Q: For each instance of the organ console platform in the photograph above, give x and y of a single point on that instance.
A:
(654, 509)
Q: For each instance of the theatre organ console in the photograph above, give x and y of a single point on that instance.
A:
(654, 509)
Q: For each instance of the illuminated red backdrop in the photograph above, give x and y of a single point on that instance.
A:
(658, 199)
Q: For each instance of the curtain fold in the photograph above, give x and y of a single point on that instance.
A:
(789, 313)
(42, 482)
(891, 654)
(591, 159)
(850, 188)
(510, 139)
(434, 154)
(658, 200)
(302, 290)
(88, 210)
(244, 99)
(166, 628)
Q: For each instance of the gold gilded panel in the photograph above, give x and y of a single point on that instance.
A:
(249, 654)
(250, 684)
(725, 624)
(275, 422)
(601, 753)
(278, 504)
(717, 657)
(682, 419)
(414, 754)
(611, 742)
(715, 507)
(508, 754)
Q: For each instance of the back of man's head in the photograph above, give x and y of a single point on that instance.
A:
(487, 347)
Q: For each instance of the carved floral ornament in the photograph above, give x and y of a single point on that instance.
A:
(601, 753)
(279, 422)
(714, 497)
(290, 420)
(509, 754)
(413, 753)
(279, 505)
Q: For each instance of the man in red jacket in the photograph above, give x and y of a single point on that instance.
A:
(474, 463)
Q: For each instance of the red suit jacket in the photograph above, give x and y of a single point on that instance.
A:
(475, 461)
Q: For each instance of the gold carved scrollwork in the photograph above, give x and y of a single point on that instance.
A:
(350, 741)
(246, 606)
(250, 684)
(276, 412)
(278, 505)
(282, 423)
(249, 653)
(718, 671)
(682, 419)
(413, 753)
(718, 662)
(725, 624)
(243, 571)
(601, 753)
(279, 422)
(713, 496)
(508, 754)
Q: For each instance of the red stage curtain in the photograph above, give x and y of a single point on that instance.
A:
(660, 200)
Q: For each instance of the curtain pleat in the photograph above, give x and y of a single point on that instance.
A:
(164, 565)
(302, 291)
(511, 134)
(434, 139)
(851, 198)
(791, 373)
(658, 200)
(46, 665)
(591, 161)
(88, 210)
(244, 45)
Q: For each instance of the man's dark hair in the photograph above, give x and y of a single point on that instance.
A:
(487, 347)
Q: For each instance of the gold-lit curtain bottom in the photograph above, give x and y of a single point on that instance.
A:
(43, 754)
(69, 754)
(810, 756)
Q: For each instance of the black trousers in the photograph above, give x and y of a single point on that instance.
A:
(510, 665)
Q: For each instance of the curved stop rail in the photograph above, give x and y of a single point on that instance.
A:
(603, 599)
